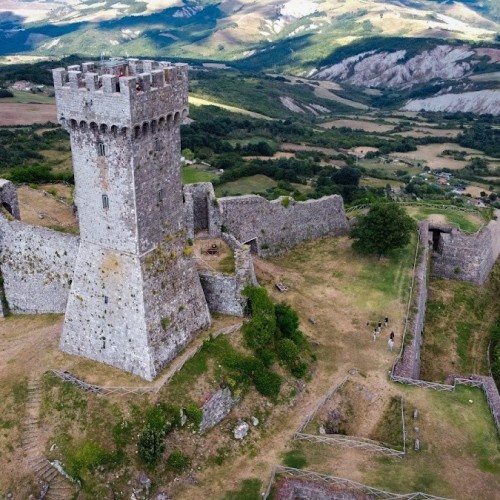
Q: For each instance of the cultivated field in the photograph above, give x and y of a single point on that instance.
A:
(14, 113)
(367, 126)
(430, 154)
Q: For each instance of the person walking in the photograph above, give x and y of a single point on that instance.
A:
(391, 336)
(391, 344)
(386, 321)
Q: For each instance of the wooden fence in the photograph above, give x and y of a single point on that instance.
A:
(342, 482)
(320, 403)
(152, 389)
(350, 442)
(341, 439)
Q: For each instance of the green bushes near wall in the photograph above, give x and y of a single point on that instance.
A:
(273, 333)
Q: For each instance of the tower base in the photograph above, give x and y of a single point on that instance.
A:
(127, 312)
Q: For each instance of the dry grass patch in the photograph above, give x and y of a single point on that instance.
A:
(367, 126)
(429, 132)
(431, 154)
(213, 254)
(40, 208)
(14, 113)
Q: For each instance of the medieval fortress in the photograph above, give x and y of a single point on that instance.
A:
(128, 285)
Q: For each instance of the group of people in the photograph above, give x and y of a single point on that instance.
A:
(378, 329)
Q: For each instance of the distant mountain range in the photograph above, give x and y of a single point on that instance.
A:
(397, 44)
(294, 33)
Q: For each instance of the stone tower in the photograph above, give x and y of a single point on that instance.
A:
(135, 298)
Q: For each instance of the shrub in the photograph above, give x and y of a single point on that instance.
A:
(267, 383)
(287, 319)
(165, 322)
(287, 351)
(259, 331)
(178, 461)
(285, 201)
(194, 414)
(5, 93)
(151, 445)
(156, 418)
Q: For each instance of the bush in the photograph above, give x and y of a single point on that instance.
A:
(151, 445)
(287, 351)
(156, 419)
(178, 462)
(38, 174)
(259, 331)
(287, 319)
(194, 414)
(495, 352)
(267, 383)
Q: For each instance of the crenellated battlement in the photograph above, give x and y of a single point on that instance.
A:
(120, 92)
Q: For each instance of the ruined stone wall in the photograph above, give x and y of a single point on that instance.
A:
(224, 293)
(202, 209)
(467, 257)
(275, 226)
(37, 266)
(8, 198)
(409, 364)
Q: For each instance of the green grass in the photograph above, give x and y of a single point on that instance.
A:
(382, 281)
(246, 185)
(295, 458)
(250, 490)
(476, 423)
(469, 222)
(389, 168)
(226, 265)
(28, 97)
(456, 331)
(389, 429)
(192, 175)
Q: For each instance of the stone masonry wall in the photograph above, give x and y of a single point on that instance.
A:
(272, 226)
(8, 198)
(202, 209)
(37, 266)
(467, 257)
(409, 364)
(275, 226)
(224, 293)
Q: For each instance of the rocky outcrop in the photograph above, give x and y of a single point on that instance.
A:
(482, 101)
(397, 70)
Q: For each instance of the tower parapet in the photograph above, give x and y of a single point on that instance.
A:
(121, 93)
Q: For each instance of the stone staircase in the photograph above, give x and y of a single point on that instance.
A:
(53, 485)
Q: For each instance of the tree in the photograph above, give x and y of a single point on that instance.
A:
(386, 227)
